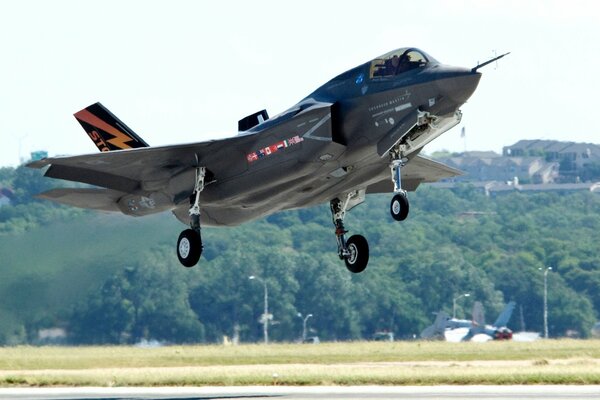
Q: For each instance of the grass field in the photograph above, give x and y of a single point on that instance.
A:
(357, 363)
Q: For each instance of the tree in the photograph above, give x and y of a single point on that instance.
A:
(330, 294)
(159, 294)
(144, 301)
(106, 317)
(29, 182)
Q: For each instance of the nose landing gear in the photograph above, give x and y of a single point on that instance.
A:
(189, 244)
(355, 250)
(399, 206)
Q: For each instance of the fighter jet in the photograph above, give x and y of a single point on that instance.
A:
(359, 133)
(443, 324)
(496, 331)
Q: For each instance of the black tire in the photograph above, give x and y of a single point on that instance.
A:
(359, 254)
(189, 247)
(399, 207)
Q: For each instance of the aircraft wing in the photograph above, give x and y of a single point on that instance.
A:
(126, 170)
(419, 170)
(153, 168)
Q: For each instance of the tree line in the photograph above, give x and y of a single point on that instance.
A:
(107, 279)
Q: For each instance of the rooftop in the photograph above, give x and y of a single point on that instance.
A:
(554, 146)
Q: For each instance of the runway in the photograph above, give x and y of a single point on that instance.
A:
(306, 393)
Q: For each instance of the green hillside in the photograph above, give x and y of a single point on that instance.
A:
(115, 279)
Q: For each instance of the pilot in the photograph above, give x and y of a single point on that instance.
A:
(403, 63)
(393, 67)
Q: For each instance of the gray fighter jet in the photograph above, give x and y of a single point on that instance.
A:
(359, 133)
(477, 325)
(496, 331)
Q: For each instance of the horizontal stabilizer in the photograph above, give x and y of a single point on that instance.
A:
(95, 199)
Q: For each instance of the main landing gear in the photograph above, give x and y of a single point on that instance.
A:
(189, 244)
(399, 206)
(355, 250)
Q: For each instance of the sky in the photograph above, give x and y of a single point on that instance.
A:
(187, 71)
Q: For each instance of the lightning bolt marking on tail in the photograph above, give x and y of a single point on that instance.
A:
(119, 140)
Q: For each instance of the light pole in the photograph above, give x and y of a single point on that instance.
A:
(304, 325)
(546, 270)
(265, 317)
(454, 303)
(21, 158)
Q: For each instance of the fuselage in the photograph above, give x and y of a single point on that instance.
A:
(375, 106)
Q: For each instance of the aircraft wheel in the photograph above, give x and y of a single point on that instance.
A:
(399, 207)
(359, 254)
(189, 247)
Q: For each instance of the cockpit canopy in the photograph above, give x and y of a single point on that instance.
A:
(399, 61)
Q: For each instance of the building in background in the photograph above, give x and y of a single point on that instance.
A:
(6, 196)
(530, 162)
(38, 155)
(577, 161)
(490, 166)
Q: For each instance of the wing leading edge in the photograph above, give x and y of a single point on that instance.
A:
(418, 170)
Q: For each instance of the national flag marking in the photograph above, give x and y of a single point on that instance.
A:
(267, 151)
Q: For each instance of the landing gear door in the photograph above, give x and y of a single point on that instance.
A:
(397, 133)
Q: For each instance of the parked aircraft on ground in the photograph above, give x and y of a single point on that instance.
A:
(359, 133)
(445, 327)
(498, 330)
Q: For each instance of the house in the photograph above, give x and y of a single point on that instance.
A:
(6, 196)
(54, 335)
(490, 166)
(576, 160)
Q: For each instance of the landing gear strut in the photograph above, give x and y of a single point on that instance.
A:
(189, 244)
(355, 250)
(399, 206)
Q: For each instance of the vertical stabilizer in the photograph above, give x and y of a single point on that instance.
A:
(106, 130)
(505, 315)
(438, 329)
(478, 315)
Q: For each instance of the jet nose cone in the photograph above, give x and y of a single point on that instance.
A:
(458, 84)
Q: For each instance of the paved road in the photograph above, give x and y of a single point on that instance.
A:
(307, 393)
